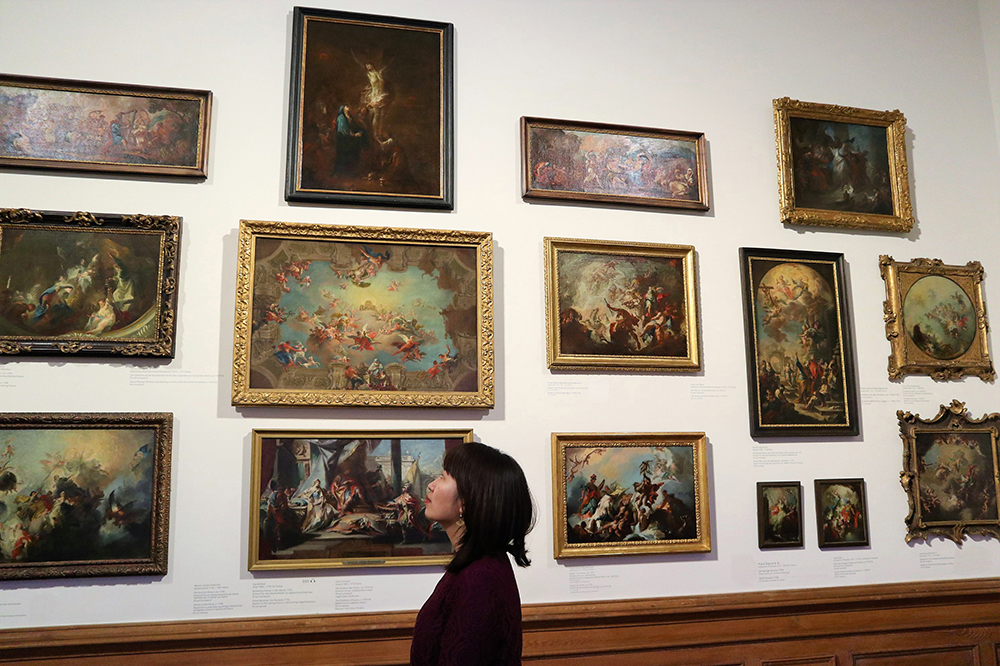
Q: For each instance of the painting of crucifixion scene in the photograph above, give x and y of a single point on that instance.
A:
(803, 379)
(346, 499)
(79, 284)
(607, 163)
(370, 116)
(631, 495)
(616, 306)
(363, 318)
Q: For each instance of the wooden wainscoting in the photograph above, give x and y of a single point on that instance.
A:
(947, 623)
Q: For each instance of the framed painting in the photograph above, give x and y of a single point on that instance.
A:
(617, 164)
(842, 167)
(363, 316)
(630, 494)
(371, 115)
(327, 499)
(841, 513)
(950, 474)
(84, 494)
(110, 127)
(88, 284)
(620, 306)
(935, 319)
(779, 514)
(800, 359)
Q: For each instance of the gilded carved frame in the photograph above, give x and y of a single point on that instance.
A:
(565, 468)
(978, 488)
(152, 334)
(317, 386)
(560, 353)
(125, 514)
(908, 356)
(894, 123)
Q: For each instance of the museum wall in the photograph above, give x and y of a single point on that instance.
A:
(710, 66)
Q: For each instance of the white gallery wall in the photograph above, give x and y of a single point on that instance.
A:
(712, 66)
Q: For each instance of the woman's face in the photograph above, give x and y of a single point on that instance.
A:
(443, 504)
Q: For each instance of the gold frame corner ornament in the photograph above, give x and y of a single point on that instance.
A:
(894, 122)
(244, 395)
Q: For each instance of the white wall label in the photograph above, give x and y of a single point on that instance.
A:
(586, 581)
(150, 376)
(772, 456)
(352, 595)
(711, 392)
(848, 567)
(215, 598)
(934, 560)
(272, 595)
(9, 378)
(775, 572)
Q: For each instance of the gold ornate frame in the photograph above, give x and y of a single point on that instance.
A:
(156, 332)
(317, 388)
(153, 565)
(701, 543)
(895, 126)
(559, 360)
(951, 419)
(906, 358)
(257, 563)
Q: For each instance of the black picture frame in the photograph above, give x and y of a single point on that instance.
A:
(797, 327)
(784, 530)
(847, 526)
(389, 156)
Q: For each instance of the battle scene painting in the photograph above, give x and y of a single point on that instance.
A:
(957, 476)
(608, 163)
(621, 305)
(82, 501)
(368, 115)
(77, 126)
(79, 284)
(630, 493)
(841, 512)
(779, 507)
(798, 345)
(841, 166)
(347, 499)
(939, 317)
(368, 322)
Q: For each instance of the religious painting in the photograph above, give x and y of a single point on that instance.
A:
(614, 164)
(363, 316)
(322, 499)
(620, 306)
(935, 319)
(841, 513)
(779, 514)
(842, 167)
(84, 494)
(371, 115)
(111, 127)
(630, 494)
(86, 284)
(800, 359)
(950, 474)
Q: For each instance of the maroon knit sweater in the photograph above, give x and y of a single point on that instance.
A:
(473, 618)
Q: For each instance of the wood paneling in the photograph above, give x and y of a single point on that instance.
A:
(943, 623)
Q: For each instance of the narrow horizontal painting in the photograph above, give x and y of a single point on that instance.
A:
(620, 306)
(800, 364)
(85, 284)
(91, 126)
(629, 494)
(360, 316)
(84, 494)
(596, 162)
(346, 499)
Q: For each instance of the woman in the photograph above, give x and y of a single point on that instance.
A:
(474, 615)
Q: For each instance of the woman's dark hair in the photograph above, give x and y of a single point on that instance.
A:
(497, 505)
